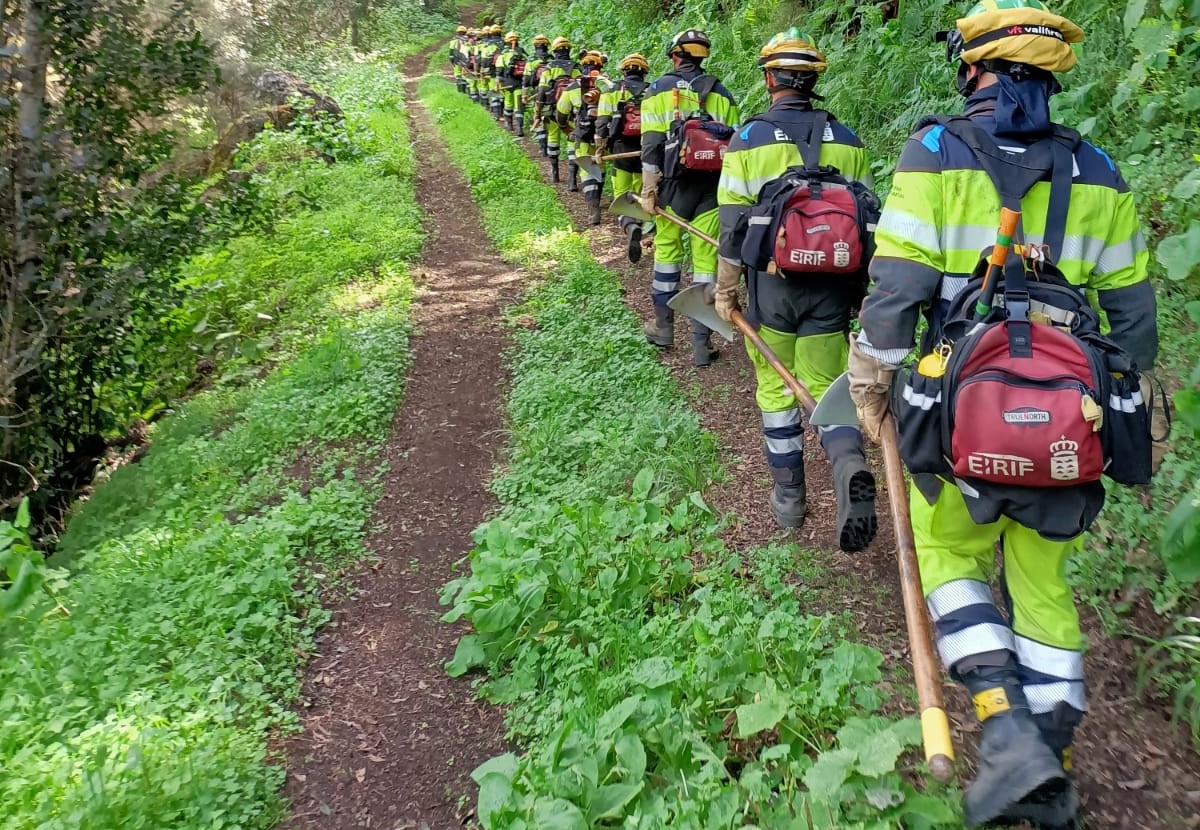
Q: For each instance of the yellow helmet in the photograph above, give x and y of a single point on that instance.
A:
(472, 33)
(495, 29)
(461, 30)
(691, 42)
(592, 58)
(560, 43)
(634, 60)
(512, 37)
(795, 50)
(1018, 31)
(541, 40)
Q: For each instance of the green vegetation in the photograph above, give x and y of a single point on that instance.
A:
(1135, 93)
(200, 570)
(653, 677)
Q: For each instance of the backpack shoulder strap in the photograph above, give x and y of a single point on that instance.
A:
(1065, 141)
(702, 85)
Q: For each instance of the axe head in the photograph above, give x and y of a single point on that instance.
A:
(627, 205)
(590, 167)
(835, 407)
(693, 301)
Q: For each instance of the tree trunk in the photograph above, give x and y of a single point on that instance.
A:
(29, 151)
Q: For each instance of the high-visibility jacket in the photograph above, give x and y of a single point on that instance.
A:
(485, 51)
(458, 50)
(539, 57)
(760, 153)
(607, 113)
(504, 62)
(555, 68)
(670, 95)
(573, 108)
(943, 210)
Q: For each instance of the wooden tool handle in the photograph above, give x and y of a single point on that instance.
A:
(687, 226)
(798, 389)
(935, 728)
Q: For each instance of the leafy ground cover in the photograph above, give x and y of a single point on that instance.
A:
(1133, 92)
(199, 572)
(654, 677)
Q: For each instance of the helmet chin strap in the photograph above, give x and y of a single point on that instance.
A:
(966, 86)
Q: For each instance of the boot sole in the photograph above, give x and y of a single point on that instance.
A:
(1055, 811)
(633, 250)
(858, 527)
(1026, 783)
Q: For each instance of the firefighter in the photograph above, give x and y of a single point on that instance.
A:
(618, 130)
(471, 66)
(458, 54)
(533, 71)
(510, 72)
(483, 54)
(691, 195)
(577, 111)
(804, 321)
(1025, 672)
(495, 96)
(550, 88)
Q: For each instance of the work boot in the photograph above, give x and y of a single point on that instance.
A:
(854, 486)
(520, 125)
(703, 353)
(554, 177)
(788, 504)
(594, 210)
(508, 122)
(633, 242)
(572, 176)
(661, 332)
(1059, 811)
(1015, 766)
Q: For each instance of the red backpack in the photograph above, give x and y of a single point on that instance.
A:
(695, 143)
(811, 220)
(1029, 404)
(560, 86)
(631, 115)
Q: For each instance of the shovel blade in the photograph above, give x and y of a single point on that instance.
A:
(590, 167)
(835, 408)
(628, 206)
(693, 301)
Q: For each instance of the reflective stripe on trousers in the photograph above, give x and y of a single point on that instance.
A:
(665, 284)
(783, 436)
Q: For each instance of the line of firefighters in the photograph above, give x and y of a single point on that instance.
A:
(680, 149)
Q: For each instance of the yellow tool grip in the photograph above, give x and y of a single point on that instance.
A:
(939, 751)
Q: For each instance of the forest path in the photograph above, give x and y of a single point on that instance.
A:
(1137, 770)
(389, 739)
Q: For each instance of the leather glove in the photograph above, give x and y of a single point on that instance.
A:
(649, 199)
(729, 276)
(598, 156)
(1160, 418)
(870, 385)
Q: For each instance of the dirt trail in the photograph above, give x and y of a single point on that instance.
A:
(1137, 770)
(389, 739)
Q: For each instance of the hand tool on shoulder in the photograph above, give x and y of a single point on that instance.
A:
(693, 301)
(836, 408)
(628, 206)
